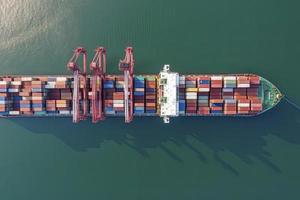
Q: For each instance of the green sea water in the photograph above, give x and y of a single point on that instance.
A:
(191, 158)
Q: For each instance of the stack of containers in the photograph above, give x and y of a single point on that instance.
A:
(216, 81)
(109, 89)
(243, 82)
(50, 106)
(52, 94)
(51, 83)
(63, 106)
(254, 81)
(13, 90)
(139, 94)
(230, 107)
(243, 106)
(120, 84)
(4, 103)
(66, 94)
(216, 106)
(3, 86)
(118, 102)
(229, 85)
(203, 95)
(252, 93)
(61, 82)
(240, 93)
(191, 94)
(15, 85)
(150, 94)
(38, 100)
(215, 93)
(118, 95)
(3, 97)
(182, 102)
(25, 106)
(256, 105)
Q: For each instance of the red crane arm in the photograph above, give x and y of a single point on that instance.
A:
(79, 76)
(98, 69)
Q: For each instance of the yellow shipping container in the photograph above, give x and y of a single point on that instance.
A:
(191, 89)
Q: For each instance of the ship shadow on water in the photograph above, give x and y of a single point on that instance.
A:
(243, 137)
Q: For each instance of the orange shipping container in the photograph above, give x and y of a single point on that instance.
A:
(150, 104)
(25, 109)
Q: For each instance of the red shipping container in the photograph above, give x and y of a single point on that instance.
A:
(216, 108)
(254, 80)
(230, 112)
(203, 110)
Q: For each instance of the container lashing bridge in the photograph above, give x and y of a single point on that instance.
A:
(126, 65)
(98, 69)
(79, 78)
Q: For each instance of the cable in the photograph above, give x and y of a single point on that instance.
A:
(292, 103)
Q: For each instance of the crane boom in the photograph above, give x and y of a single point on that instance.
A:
(126, 65)
(79, 77)
(98, 69)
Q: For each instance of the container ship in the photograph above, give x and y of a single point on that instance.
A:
(166, 95)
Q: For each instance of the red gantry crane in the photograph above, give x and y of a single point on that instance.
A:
(126, 65)
(98, 69)
(79, 76)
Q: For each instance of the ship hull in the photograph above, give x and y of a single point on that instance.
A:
(267, 93)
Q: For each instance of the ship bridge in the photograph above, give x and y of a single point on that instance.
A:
(168, 98)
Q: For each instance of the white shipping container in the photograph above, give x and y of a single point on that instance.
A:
(139, 89)
(16, 83)
(61, 78)
(191, 93)
(51, 82)
(26, 78)
(118, 101)
(216, 78)
(118, 105)
(227, 89)
(191, 97)
(203, 89)
(13, 90)
(232, 78)
(230, 101)
(3, 82)
(14, 112)
(49, 86)
(64, 112)
(244, 104)
(243, 85)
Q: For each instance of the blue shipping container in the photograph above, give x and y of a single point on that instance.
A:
(139, 93)
(217, 104)
(204, 82)
(216, 111)
(37, 105)
(108, 86)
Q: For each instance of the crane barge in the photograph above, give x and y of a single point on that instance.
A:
(101, 95)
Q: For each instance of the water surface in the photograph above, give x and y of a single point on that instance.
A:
(191, 158)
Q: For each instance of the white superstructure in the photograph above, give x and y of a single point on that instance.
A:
(169, 82)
